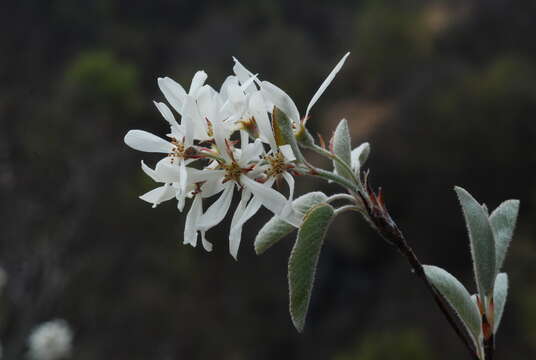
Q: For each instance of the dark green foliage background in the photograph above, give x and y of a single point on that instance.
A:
(445, 91)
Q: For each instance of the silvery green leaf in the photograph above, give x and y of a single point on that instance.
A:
(304, 259)
(359, 156)
(457, 296)
(499, 298)
(503, 221)
(275, 229)
(481, 240)
(284, 133)
(342, 147)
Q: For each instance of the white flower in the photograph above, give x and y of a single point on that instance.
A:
(50, 341)
(280, 98)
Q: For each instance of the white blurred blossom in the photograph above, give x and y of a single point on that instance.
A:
(51, 340)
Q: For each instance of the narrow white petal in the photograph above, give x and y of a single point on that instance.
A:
(247, 86)
(207, 245)
(196, 175)
(244, 139)
(290, 181)
(251, 152)
(189, 119)
(181, 201)
(217, 211)
(235, 236)
(149, 171)
(166, 171)
(258, 109)
(231, 79)
(211, 188)
(243, 74)
(183, 176)
(144, 141)
(270, 198)
(159, 195)
(220, 137)
(197, 81)
(280, 99)
(190, 226)
(167, 114)
(204, 101)
(325, 84)
(237, 98)
(173, 92)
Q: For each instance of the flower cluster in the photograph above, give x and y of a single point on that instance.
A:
(224, 141)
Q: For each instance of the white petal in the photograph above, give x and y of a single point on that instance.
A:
(211, 188)
(190, 226)
(247, 86)
(220, 137)
(144, 141)
(190, 120)
(173, 92)
(231, 79)
(207, 245)
(166, 171)
(167, 114)
(181, 201)
(325, 84)
(217, 211)
(159, 195)
(287, 152)
(236, 95)
(235, 236)
(196, 175)
(149, 171)
(290, 181)
(244, 139)
(197, 81)
(280, 99)
(270, 198)
(204, 101)
(258, 110)
(251, 152)
(183, 176)
(244, 75)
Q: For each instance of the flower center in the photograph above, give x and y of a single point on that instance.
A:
(277, 164)
(232, 172)
(178, 151)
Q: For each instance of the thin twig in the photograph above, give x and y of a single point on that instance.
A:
(382, 222)
(418, 269)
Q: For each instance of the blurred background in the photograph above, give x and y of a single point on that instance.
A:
(445, 92)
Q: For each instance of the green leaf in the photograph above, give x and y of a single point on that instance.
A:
(276, 228)
(304, 259)
(499, 298)
(503, 221)
(481, 240)
(457, 296)
(342, 148)
(359, 156)
(284, 133)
